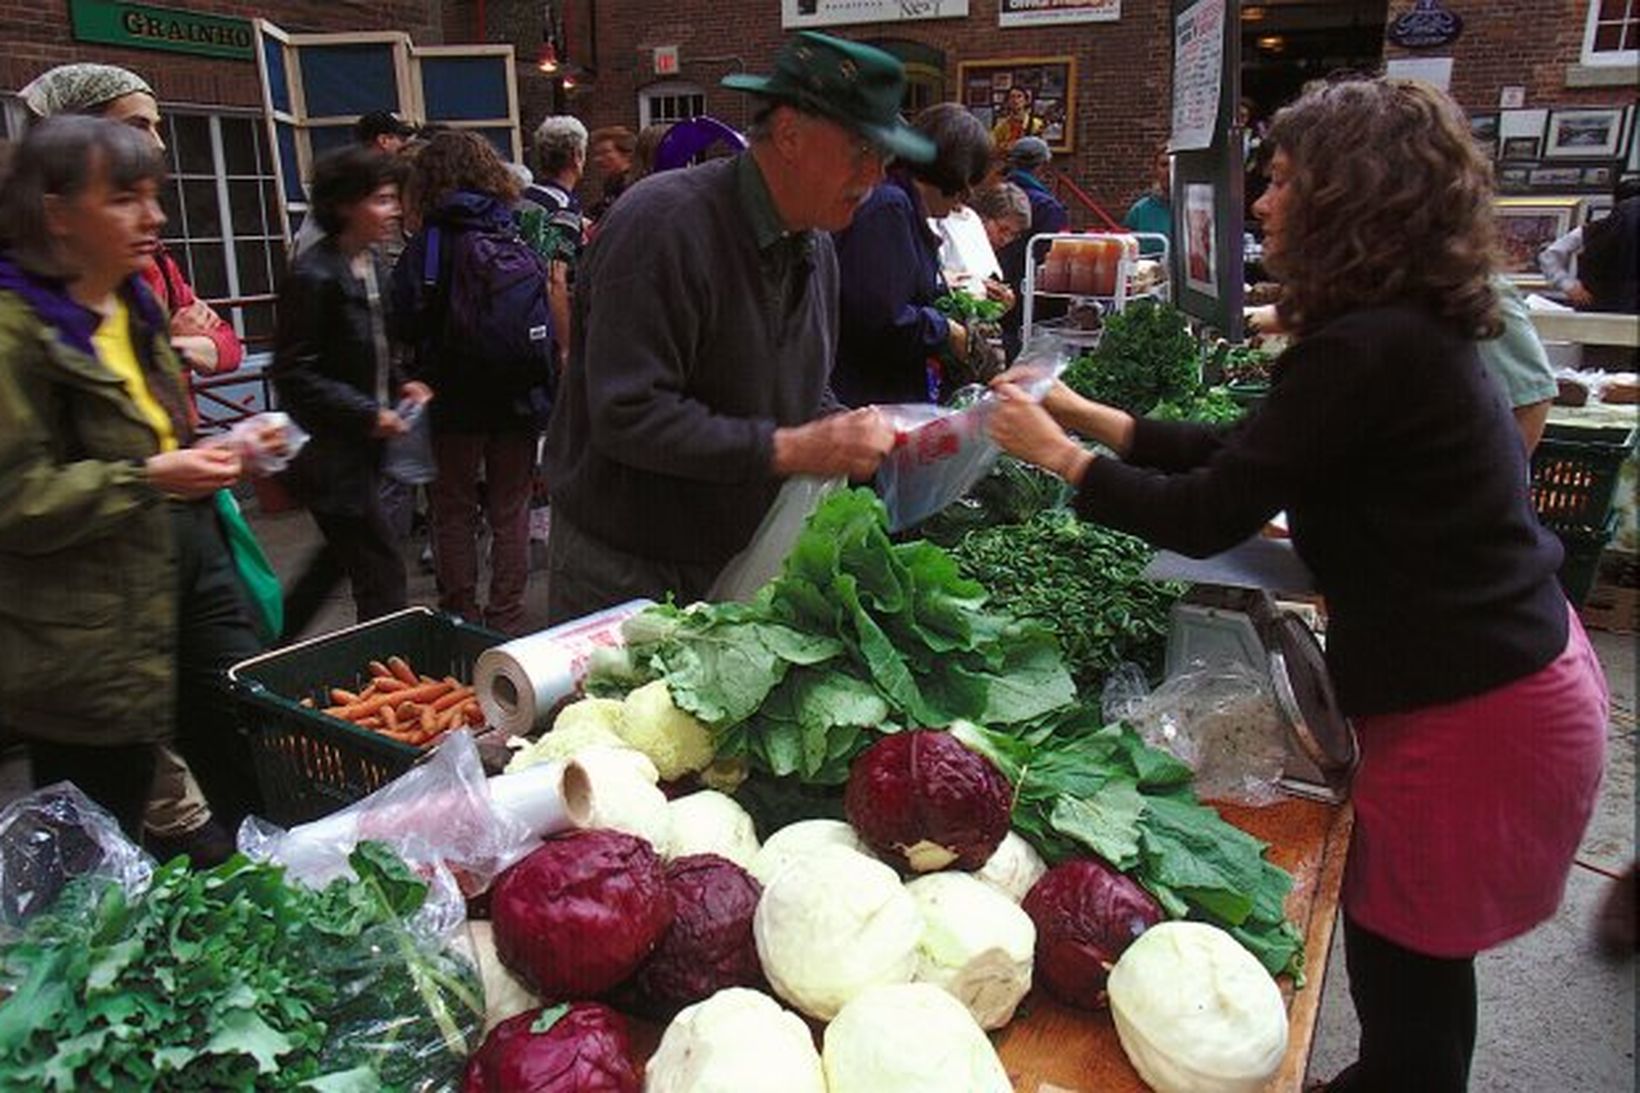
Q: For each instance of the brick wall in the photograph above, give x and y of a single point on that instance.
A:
(1122, 98)
(1508, 43)
(37, 37)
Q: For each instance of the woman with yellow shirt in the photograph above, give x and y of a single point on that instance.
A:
(118, 604)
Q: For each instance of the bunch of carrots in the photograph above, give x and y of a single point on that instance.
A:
(398, 703)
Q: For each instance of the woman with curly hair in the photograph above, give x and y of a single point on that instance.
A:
(459, 189)
(1480, 709)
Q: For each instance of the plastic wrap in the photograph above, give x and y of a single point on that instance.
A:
(408, 457)
(266, 442)
(49, 838)
(522, 682)
(1220, 718)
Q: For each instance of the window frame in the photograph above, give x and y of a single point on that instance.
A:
(668, 89)
(1607, 58)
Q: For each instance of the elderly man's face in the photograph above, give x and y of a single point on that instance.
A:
(835, 169)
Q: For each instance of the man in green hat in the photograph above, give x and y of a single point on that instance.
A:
(704, 334)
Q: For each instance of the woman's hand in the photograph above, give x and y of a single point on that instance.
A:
(1023, 428)
(1000, 292)
(190, 473)
(417, 392)
(197, 351)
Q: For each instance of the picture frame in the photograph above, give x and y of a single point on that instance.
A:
(983, 87)
(1521, 147)
(1484, 128)
(1584, 133)
(1525, 226)
(1595, 207)
(1515, 177)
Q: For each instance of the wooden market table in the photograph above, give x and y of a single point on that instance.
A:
(1049, 1047)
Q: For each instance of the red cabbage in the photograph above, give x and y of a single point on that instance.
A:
(1086, 914)
(580, 914)
(584, 1049)
(923, 801)
(710, 945)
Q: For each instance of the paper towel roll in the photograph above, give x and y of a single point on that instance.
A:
(521, 682)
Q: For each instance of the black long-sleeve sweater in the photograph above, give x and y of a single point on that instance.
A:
(1402, 473)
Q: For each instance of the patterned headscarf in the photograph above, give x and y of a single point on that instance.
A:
(80, 88)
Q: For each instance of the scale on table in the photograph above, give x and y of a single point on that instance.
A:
(1232, 613)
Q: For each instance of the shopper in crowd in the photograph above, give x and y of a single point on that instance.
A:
(689, 397)
(379, 131)
(1480, 708)
(1025, 160)
(1005, 211)
(552, 221)
(202, 338)
(1017, 120)
(119, 607)
(1153, 212)
(1604, 252)
(484, 427)
(179, 818)
(612, 151)
(894, 345)
(335, 375)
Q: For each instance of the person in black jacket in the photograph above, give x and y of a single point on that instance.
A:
(335, 376)
(1480, 708)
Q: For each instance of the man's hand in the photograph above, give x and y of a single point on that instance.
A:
(388, 424)
(417, 392)
(1000, 292)
(852, 443)
(191, 473)
(1579, 295)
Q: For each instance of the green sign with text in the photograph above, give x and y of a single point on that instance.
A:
(142, 27)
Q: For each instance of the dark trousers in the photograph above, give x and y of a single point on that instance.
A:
(585, 575)
(364, 549)
(1417, 1017)
(213, 633)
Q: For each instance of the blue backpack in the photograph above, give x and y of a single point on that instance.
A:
(485, 310)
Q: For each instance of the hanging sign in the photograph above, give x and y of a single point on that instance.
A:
(138, 26)
(795, 14)
(1198, 69)
(1041, 13)
(1427, 26)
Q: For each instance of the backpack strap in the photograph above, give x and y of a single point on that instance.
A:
(430, 256)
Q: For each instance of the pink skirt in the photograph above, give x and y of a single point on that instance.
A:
(1468, 814)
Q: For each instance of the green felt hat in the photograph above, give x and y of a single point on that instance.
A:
(857, 86)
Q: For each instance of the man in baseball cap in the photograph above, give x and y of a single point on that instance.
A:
(383, 130)
(705, 328)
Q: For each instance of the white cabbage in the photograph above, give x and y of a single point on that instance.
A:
(707, 822)
(799, 840)
(505, 995)
(624, 794)
(1196, 1012)
(976, 943)
(1013, 868)
(909, 1038)
(736, 1041)
(832, 924)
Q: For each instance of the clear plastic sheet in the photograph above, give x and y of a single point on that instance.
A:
(1220, 718)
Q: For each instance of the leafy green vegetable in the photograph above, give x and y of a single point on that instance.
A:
(1145, 355)
(967, 308)
(549, 1017)
(857, 636)
(234, 979)
(1210, 406)
(1012, 493)
(1081, 582)
(1080, 787)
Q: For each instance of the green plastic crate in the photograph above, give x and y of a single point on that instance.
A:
(1582, 560)
(309, 765)
(1574, 478)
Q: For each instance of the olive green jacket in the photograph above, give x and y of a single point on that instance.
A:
(88, 612)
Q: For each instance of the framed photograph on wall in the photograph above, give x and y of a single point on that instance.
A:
(1050, 83)
(1484, 128)
(1521, 147)
(1525, 226)
(1585, 132)
(1594, 207)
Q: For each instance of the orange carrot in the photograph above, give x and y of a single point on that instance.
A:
(377, 668)
(343, 698)
(401, 669)
(455, 698)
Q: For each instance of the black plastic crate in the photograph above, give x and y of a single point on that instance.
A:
(309, 765)
(1574, 477)
(1582, 560)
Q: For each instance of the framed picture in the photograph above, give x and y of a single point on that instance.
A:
(1584, 133)
(1515, 177)
(1594, 207)
(1550, 177)
(1484, 128)
(1521, 147)
(1525, 226)
(1048, 83)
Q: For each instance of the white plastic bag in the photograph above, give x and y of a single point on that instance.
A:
(760, 562)
(266, 442)
(409, 456)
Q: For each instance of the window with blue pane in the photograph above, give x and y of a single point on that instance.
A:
(346, 80)
(465, 88)
(273, 52)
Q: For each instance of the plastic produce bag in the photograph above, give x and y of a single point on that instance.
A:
(51, 837)
(409, 456)
(437, 813)
(1220, 718)
(1124, 693)
(760, 562)
(940, 452)
(266, 442)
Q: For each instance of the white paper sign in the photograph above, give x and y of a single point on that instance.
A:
(1431, 70)
(795, 14)
(1198, 68)
(1041, 13)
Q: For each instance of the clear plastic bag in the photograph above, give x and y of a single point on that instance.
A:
(409, 456)
(439, 813)
(266, 442)
(1220, 718)
(941, 451)
(1125, 691)
(760, 562)
(49, 838)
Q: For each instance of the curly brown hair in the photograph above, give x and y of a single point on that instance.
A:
(1388, 199)
(456, 159)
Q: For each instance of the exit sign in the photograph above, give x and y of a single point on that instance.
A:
(666, 60)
